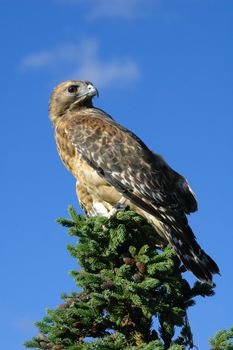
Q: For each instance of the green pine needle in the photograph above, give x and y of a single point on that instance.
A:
(125, 283)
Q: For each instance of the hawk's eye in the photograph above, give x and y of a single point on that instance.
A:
(73, 88)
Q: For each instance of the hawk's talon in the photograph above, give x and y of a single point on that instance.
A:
(119, 206)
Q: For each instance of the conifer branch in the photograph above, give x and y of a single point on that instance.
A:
(126, 284)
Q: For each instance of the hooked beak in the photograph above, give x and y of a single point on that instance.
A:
(86, 92)
(92, 90)
(89, 90)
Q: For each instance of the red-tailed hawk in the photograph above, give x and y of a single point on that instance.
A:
(112, 165)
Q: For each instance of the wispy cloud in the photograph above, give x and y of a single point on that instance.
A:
(125, 9)
(82, 61)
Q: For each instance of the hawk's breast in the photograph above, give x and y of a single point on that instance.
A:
(65, 148)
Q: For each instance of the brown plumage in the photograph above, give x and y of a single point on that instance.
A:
(110, 163)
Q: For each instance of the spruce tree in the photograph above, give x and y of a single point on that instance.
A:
(127, 286)
(222, 340)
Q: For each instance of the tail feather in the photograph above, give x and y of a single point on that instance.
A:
(190, 253)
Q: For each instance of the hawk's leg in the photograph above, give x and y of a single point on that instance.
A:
(119, 206)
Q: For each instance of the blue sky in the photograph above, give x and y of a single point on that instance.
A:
(163, 69)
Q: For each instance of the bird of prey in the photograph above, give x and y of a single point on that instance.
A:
(113, 167)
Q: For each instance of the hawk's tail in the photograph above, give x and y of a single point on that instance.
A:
(190, 253)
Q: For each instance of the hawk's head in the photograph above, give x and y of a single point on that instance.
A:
(71, 94)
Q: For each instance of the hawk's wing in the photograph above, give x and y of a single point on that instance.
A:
(181, 189)
(127, 164)
(144, 178)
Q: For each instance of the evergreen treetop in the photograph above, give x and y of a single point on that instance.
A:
(127, 287)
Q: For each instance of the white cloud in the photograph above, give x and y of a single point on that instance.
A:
(83, 62)
(126, 9)
(36, 60)
(106, 73)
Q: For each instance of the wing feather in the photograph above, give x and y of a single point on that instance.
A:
(126, 162)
